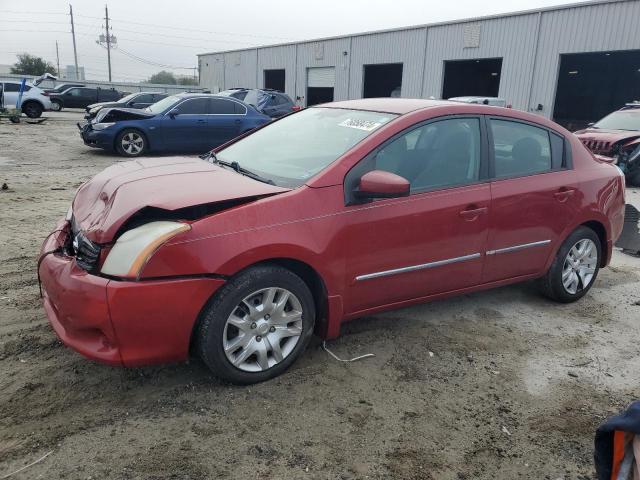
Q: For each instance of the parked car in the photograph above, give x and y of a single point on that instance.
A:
(80, 97)
(329, 214)
(270, 102)
(494, 101)
(187, 122)
(617, 137)
(133, 100)
(34, 99)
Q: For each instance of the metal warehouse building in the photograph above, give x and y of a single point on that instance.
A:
(573, 63)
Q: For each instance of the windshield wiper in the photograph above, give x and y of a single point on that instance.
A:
(211, 157)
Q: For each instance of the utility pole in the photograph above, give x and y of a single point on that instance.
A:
(73, 34)
(108, 35)
(58, 58)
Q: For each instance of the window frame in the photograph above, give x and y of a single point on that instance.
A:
(360, 168)
(566, 162)
(187, 100)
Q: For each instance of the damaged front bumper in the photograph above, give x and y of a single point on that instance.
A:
(96, 138)
(123, 323)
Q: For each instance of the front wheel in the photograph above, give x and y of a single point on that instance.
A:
(575, 268)
(257, 325)
(131, 143)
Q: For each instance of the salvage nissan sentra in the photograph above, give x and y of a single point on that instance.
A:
(325, 215)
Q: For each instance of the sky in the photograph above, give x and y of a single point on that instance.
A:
(167, 35)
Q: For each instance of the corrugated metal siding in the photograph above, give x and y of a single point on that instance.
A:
(332, 57)
(279, 57)
(241, 69)
(212, 72)
(406, 47)
(595, 28)
(511, 38)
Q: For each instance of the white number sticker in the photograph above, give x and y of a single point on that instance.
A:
(365, 125)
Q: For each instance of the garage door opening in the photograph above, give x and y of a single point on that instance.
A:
(591, 85)
(321, 82)
(274, 79)
(472, 78)
(383, 80)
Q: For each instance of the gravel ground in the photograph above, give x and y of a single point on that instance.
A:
(498, 384)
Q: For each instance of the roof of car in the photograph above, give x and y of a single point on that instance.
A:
(399, 106)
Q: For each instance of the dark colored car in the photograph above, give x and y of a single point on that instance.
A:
(187, 122)
(62, 87)
(133, 100)
(270, 102)
(617, 137)
(326, 215)
(80, 97)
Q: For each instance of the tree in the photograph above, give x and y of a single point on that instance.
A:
(187, 81)
(163, 77)
(32, 65)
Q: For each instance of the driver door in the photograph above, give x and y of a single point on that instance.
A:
(188, 131)
(432, 241)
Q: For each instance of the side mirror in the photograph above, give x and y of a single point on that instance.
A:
(174, 113)
(381, 184)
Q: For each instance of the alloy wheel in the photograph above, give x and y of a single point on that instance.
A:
(579, 266)
(132, 143)
(263, 329)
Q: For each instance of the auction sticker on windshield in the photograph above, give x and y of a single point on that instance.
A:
(365, 125)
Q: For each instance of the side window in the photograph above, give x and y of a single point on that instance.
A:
(520, 149)
(222, 107)
(440, 154)
(75, 92)
(194, 106)
(240, 109)
(11, 87)
(282, 100)
(147, 98)
(158, 96)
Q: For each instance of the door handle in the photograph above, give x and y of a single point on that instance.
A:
(202, 121)
(472, 212)
(563, 194)
(238, 122)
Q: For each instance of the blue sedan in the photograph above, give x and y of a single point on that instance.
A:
(182, 123)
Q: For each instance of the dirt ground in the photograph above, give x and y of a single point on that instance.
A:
(500, 384)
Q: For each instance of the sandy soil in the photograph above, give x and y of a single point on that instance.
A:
(514, 389)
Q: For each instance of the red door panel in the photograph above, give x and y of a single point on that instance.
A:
(528, 214)
(412, 247)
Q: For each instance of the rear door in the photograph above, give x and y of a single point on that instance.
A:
(225, 120)
(535, 195)
(79, 97)
(432, 241)
(11, 91)
(188, 131)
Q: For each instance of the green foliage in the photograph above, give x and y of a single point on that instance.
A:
(32, 65)
(163, 77)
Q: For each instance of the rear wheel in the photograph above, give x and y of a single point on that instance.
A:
(56, 105)
(257, 325)
(575, 268)
(131, 143)
(32, 109)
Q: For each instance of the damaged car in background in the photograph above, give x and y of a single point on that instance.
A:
(138, 100)
(184, 123)
(318, 218)
(616, 138)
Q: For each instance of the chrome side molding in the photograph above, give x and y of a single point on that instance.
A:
(515, 248)
(413, 268)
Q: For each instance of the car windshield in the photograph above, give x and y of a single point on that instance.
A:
(163, 104)
(292, 150)
(127, 98)
(622, 120)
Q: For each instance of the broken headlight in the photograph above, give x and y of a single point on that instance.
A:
(102, 126)
(131, 251)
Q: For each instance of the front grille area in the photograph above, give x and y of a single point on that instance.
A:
(86, 252)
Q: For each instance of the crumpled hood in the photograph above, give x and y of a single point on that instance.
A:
(602, 141)
(104, 203)
(114, 114)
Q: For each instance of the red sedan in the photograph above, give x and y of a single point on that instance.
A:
(323, 216)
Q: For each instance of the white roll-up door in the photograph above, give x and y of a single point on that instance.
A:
(323, 77)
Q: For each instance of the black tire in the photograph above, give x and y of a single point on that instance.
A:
(136, 136)
(32, 109)
(551, 285)
(210, 333)
(56, 105)
(633, 179)
(14, 119)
